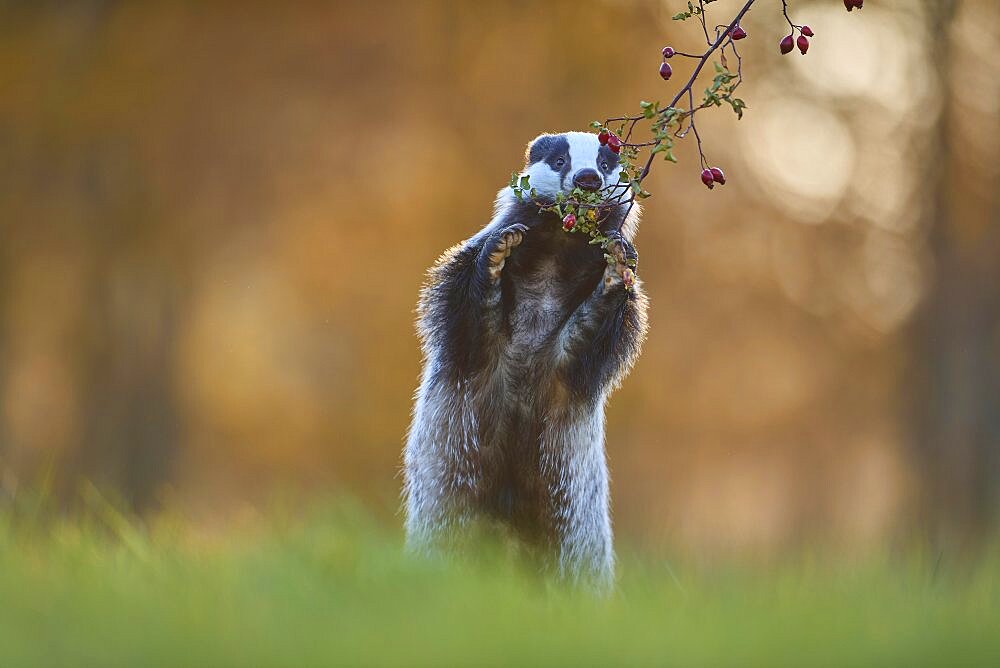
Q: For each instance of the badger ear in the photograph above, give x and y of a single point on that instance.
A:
(539, 147)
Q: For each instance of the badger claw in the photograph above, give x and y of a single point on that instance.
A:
(621, 251)
(499, 246)
(622, 260)
(511, 236)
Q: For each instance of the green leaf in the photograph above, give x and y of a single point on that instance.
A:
(524, 182)
(738, 105)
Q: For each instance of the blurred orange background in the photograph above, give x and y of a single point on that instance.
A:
(215, 217)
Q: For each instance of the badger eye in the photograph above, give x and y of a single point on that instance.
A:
(604, 165)
(560, 162)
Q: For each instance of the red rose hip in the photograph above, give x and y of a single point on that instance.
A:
(603, 137)
(807, 31)
(803, 44)
(718, 176)
(708, 178)
(666, 70)
(668, 52)
(569, 222)
(614, 143)
(738, 33)
(786, 44)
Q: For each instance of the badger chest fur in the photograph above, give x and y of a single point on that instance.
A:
(526, 330)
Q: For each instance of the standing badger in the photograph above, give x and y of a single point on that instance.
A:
(526, 330)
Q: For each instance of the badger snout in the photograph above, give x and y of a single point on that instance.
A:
(588, 179)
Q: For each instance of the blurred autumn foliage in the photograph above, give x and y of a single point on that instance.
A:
(214, 219)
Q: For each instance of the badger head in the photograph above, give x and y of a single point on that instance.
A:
(561, 162)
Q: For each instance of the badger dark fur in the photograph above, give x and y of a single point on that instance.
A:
(526, 330)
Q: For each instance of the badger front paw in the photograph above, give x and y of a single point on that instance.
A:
(622, 261)
(499, 246)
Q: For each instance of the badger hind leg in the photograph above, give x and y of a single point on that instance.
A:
(440, 466)
(575, 467)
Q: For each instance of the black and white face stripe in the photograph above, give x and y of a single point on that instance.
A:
(554, 160)
(607, 161)
(553, 150)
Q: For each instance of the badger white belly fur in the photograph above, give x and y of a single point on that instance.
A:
(538, 312)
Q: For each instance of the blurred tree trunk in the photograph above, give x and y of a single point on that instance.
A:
(955, 364)
(5, 264)
(129, 335)
(131, 422)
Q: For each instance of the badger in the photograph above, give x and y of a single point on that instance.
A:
(525, 331)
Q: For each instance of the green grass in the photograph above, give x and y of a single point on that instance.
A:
(333, 589)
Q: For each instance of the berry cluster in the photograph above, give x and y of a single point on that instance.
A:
(785, 45)
(665, 69)
(611, 140)
(805, 32)
(712, 175)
